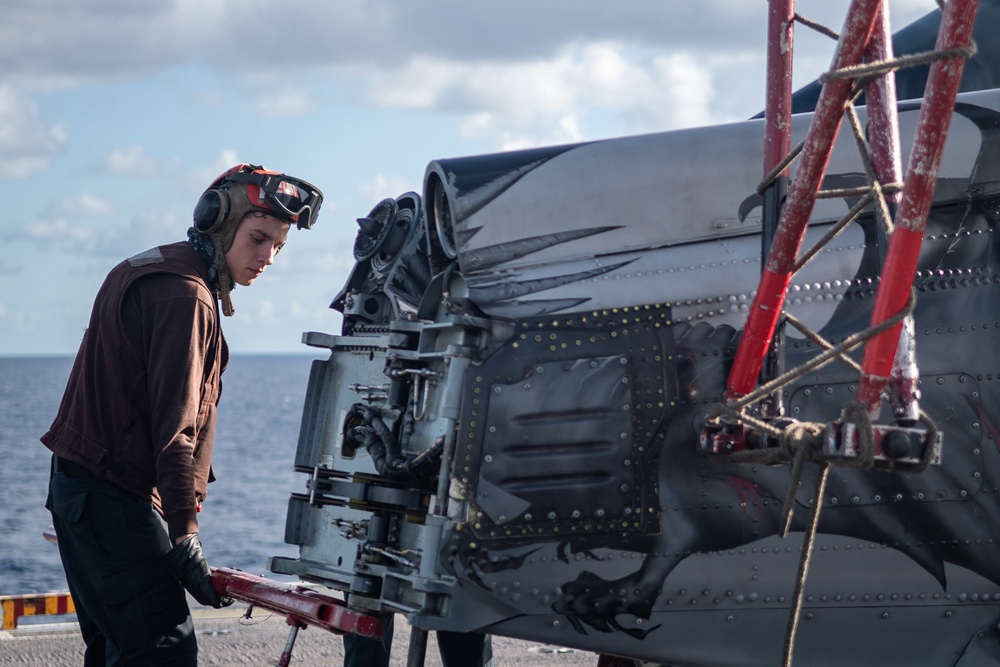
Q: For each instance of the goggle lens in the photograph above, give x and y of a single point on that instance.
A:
(288, 196)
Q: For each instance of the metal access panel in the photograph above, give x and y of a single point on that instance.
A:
(357, 529)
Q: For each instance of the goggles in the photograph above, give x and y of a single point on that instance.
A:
(287, 196)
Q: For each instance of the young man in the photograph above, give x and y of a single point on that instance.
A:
(132, 441)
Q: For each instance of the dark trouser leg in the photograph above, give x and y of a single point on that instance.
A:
(464, 649)
(132, 609)
(362, 652)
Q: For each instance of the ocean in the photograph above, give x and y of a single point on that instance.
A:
(242, 521)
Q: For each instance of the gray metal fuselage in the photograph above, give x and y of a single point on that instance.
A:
(551, 327)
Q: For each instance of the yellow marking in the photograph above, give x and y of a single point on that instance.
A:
(16, 606)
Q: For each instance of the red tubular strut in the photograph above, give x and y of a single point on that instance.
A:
(918, 193)
(301, 606)
(880, 96)
(778, 107)
(883, 136)
(778, 268)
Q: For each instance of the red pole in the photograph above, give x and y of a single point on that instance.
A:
(778, 105)
(883, 122)
(778, 269)
(883, 126)
(918, 193)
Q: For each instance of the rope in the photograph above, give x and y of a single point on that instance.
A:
(818, 27)
(807, 547)
(820, 341)
(865, 72)
(771, 176)
(820, 360)
(861, 142)
(836, 229)
(881, 67)
(801, 442)
(856, 413)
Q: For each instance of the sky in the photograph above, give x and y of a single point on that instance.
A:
(116, 114)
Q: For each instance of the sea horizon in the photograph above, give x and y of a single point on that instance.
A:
(242, 522)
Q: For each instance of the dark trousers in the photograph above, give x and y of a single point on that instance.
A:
(132, 610)
(458, 649)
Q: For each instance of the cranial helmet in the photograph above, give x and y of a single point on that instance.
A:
(244, 189)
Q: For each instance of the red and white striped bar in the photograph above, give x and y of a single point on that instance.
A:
(48, 604)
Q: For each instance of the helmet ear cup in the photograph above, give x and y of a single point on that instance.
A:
(211, 210)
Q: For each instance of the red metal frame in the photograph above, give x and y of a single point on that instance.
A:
(866, 32)
(778, 107)
(880, 98)
(778, 268)
(918, 193)
(300, 605)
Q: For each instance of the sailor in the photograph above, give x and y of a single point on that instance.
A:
(132, 440)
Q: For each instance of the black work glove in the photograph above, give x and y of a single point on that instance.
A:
(188, 564)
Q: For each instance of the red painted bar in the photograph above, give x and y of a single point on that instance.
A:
(880, 97)
(770, 297)
(16, 606)
(300, 605)
(778, 106)
(918, 193)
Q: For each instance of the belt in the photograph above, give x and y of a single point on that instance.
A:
(69, 468)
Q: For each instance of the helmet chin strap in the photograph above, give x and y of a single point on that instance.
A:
(225, 281)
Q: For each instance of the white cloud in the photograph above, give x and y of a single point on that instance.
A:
(286, 103)
(105, 237)
(383, 186)
(265, 310)
(518, 74)
(84, 204)
(154, 228)
(206, 175)
(58, 230)
(60, 42)
(131, 161)
(26, 144)
(553, 100)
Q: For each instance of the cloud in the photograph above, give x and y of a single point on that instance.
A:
(26, 143)
(376, 190)
(142, 231)
(286, 103)
(557, 99)
(304, 259)
(517, 73)
(265, 310)
(205, 175)
(130, 161)
(55, 43)
(84, 204)
(57, 230)
(103, 238)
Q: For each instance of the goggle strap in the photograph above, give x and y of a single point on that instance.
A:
(268, 184)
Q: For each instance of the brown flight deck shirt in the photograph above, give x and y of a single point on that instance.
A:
(140, 405)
